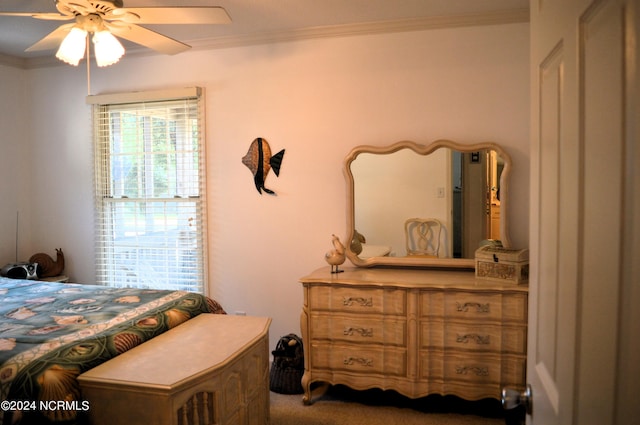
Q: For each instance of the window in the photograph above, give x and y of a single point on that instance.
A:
(149, 190)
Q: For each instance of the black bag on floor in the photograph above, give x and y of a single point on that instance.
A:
(288, 366)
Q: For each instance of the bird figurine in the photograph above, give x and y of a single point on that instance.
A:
(336, 256)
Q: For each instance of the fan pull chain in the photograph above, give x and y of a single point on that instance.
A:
(88, 69)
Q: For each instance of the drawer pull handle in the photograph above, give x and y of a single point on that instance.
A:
(350, 361)
(479, 339)
(363, 302)
(480, 308)
(478, 371)
(362, 331)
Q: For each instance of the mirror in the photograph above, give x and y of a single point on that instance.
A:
(463, 187)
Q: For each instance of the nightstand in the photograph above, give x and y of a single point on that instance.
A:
(59, 278)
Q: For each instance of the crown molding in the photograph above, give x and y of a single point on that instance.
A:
(13, 61)
(369, 28)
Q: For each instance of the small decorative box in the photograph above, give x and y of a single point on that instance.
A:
(502, 264)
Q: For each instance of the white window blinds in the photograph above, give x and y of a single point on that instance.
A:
(149, 193)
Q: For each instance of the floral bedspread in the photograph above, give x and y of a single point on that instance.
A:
(52, 332)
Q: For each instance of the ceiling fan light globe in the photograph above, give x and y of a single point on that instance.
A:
(72, 48)
(107, 47)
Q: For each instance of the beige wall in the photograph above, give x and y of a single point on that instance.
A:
(15, 162)
(317, 99)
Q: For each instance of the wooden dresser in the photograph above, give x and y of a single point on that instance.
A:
(414, 331)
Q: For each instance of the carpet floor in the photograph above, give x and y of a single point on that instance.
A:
(339, 405)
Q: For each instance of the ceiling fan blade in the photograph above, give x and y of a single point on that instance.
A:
(148, 38)
(52, 40)
(37, 15)
(170, 15)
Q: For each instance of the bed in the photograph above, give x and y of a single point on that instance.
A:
(51, 332)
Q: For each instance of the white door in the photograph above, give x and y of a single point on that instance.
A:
(583, 326)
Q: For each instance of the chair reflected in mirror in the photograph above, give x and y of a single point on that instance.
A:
(422, 237)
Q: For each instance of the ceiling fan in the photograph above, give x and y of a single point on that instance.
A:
(108, 18)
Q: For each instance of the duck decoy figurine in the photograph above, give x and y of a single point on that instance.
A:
(336, 256)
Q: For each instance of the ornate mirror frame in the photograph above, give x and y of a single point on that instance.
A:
(409, 261)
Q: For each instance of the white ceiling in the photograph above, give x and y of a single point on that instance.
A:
(255, 21)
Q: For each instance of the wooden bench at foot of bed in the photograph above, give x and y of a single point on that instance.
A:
(213, 369)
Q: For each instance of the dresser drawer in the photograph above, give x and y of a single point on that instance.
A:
(474, 369)
(358, 329)
(362, 359)
(474, 305)
(358, 300)
(473, 337)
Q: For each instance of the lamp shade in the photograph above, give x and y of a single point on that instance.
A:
(108, 49)
(73, 46)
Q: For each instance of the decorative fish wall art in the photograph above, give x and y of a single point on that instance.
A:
(259, 160)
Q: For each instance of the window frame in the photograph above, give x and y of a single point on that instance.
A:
(104, 201)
